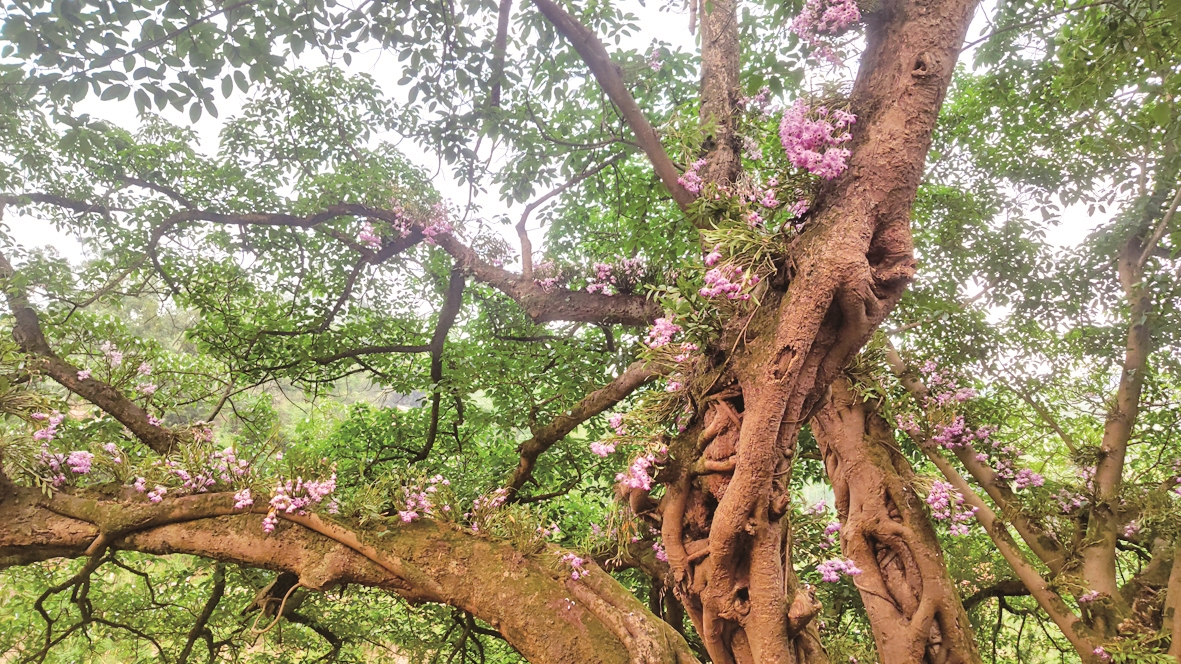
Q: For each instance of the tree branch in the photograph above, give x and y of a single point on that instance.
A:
(607, 74)
(28, 335)
(592, 404)
(200, 626)
(526, 245)
(452, 303)
(438, 562)
(1002, 588)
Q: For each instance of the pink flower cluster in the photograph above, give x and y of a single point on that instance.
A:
(419, 499)
(661, 554)
(687, 350)
(943, 388)
(728, 281)
(243, 499)
(547, 275)
(484, 506)
(436, 223)
(52, 422)
(1068, 501)
(616, 424)
(661, 333)
(947, 504)
(1088, 597)
(295, 496)
(809, 137)
(114, 355)
(690, 179)
(576, 564)
(637, 476)
(655, 63)
(551, 531)
(84, 374)
(830, 535)
(831, 570)
(369, 237)
(602, 449)
(1027, 478)
(622, 277)
(825, 17)
(751, 148)
(1102, 654)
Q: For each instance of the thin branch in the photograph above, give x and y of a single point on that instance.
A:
(1002, 588)
(526, 245)
(1160, 231)
(592, 404)
(498, 50)
(201, 625)
(609, 77)
(447, 314)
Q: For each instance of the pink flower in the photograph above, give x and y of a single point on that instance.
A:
(368, 237)
(157, 494)
(140, 484)
(144, 369)
(831, 570)
(243, 499)
(79, 462)
(807, 137)
(602, 449)
(661, 332)
(154, 421)
(661, 554)
(84, 374)
(825, 17)
(1102, 654)
(690, 180)
(616, 423)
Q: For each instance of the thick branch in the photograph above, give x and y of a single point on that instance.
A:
(525, 599)
(609, 77)
(592, 404)
(28, 335)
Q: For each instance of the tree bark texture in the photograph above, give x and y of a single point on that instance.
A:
(531, 600)
(723, 517)
(913, 607)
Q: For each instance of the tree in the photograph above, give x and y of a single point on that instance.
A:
(760, 246)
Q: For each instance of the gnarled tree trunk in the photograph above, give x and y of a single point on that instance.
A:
(912, 604)
(723, 516)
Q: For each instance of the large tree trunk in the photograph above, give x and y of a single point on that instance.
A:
(725, 532)
(531, 600)
(912, 604)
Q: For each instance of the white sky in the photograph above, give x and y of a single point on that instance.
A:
(655, 24)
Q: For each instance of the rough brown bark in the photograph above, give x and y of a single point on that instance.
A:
(530, 600)
(913, 607)
(720, 89)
